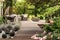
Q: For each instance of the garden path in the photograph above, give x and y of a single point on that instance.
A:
(27, 29)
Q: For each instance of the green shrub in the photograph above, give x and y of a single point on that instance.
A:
(54, 28)
(41, 17)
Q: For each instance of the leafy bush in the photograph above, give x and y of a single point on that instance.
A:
(54, 28)
(41, 17)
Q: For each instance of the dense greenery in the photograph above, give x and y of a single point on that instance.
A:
(54, 28)
(44, 8)
(1, 20)
(32, 7)
(38, 8)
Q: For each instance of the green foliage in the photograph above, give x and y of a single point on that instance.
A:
(54, 26)
(19, 7)
(41, 17)
(8, 2)
(45, 8)
(1, 20)
(50, 11)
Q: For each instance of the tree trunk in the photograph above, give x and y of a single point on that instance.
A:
(8, 3)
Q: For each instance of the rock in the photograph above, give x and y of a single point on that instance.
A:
(45, 37)
(4, 36)
(7, 31)
(35, 19)
(34, 36)
(3, 28)
(16, 28)
(9, 27)
(0, 30)
(12, 34)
